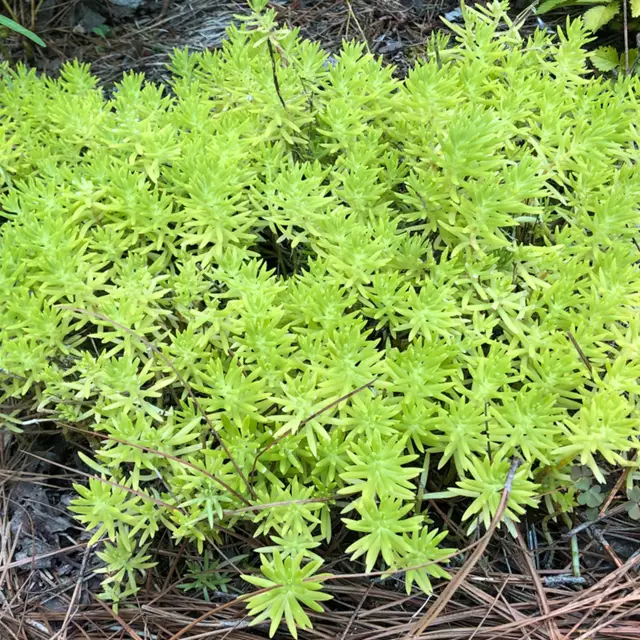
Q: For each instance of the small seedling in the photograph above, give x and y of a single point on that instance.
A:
(205, 577)
(102, 30)
(633, 506)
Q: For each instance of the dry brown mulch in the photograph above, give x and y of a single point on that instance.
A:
(141, 41)
(144, 39)
(519, 588)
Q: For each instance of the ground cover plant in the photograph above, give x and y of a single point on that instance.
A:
(621, 16)
(294, 297)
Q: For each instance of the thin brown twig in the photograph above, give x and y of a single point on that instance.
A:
(581, 353)
(589, 612)
(438, 606)
(168, 456)
(307, 420)
(208, 614)
(360, 29)
(116, 485)
(119, 620)
(585, 525)
(489, 610)
(625, 20)
(592, 633)
(504, 608)
(72, 608)
(590, 597)
(274, 71)
(356, 612)
(619, 483)
(602, 541)
(537, 583)
(25, 561)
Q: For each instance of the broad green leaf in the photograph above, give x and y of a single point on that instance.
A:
(605, 59)
(597, 17)
(550, 5)
(635, 8)
(23, 31)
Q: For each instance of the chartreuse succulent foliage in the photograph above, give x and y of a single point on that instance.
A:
(276, 306)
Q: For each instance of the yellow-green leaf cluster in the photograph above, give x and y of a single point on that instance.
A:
(296, 306)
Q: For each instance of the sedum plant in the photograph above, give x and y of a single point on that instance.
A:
(292, 297)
